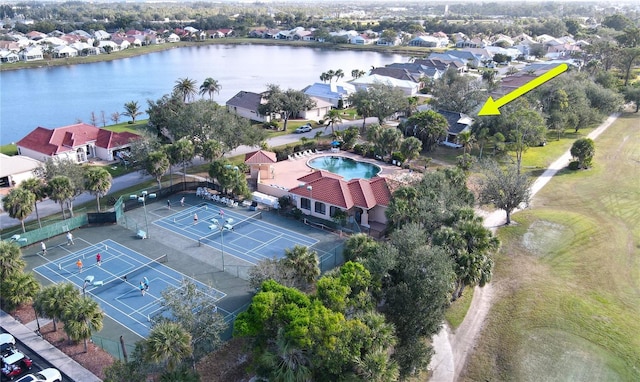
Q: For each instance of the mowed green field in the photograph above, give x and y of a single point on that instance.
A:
(568, 276)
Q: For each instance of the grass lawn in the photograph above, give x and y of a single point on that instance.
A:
(458, 309)
(10, 149)
(567, 278)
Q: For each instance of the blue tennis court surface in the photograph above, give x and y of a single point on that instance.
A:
(119, 297)
(247, 238)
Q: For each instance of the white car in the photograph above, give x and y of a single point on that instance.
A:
(7, 343)
(46, 375)
(303, 129)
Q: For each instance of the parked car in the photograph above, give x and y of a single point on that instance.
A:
(303, 129)
(7, 344)
(14, 363)
(46, 375)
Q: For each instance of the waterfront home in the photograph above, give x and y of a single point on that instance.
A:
(8, 57)
(458, 123)
(80, 143)
(410, 88)
(318, 112)
(335, 93)
(31, 53)
(63, 51)
(246, 104)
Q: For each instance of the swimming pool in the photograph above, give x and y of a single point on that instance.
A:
(345, 167)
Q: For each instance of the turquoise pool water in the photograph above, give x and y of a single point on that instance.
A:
(345, 167)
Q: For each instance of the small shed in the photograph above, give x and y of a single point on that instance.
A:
(261, 164)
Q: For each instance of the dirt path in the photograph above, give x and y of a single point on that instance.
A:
(452, 349)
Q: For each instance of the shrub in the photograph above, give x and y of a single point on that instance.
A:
(574, 165)
(296, 213)
(321, 122)
(398, 157)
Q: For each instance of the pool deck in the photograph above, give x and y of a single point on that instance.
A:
(287, 172)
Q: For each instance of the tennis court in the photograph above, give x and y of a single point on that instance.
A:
(115, 283)
(246, 237)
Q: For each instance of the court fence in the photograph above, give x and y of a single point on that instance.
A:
(53, 228)
(113, 347)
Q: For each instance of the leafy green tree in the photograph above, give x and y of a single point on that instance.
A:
(211, 150)
(50, 302)
(185, 88)
(632, 94)
(163, 114)
(526, 129)
(61, 191)
(504, 188)
(459, 93)
(359, 247)
(37, 187)
(379, 100)
(18, 203)
(417, 295)
(120, 371)
(97, 182)
(388, 142)
(210, 86)
(82, 317)
(182, 152)
(428, 126)
(168, 344)
(287, 103)
(156, 164)
(132, 110)
(583, 150)
(11, 260)
(196, 312)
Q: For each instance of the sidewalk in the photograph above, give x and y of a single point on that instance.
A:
(58, 359)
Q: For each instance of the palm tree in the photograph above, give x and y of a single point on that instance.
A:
(357, 73)
(19, 204)
(39, 190)
(303, 264)
(52, 299)
(467, 140)
(287, 363)
(411, 148)
(82, 316)
(10, 259)
(61, 191)
(330, 74)
(97, 182)
(168, 343)
(324, 77)
(333, 117)
(186, 88)
(377, 366)
(132, 110)
(18, 288)
(210, 86)
(339, 74)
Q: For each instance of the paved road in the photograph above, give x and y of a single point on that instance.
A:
(49, 207)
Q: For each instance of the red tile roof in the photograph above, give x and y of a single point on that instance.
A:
(53, 141)
(333, 189)
(260, 157)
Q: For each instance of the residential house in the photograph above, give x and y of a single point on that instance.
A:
(420, 71)
(361, 39)
(16, 169)
(8, 57)
(110, 44)
(246, 104)
(31, 53)
(261, 164)
(397, 73)
(173, 38)
(472, 43)
(335, 93)
(322, 194)
(35, 35)
(429, 42)
(395, 41)
(101, 35)
(80, 143)
(317, 112)
(410, 88)
(458, 123)
(63, 51)
(11, 46)
(85, 49)
(121, 42)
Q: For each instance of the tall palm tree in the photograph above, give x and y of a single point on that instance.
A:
(377, 366)
(168, 343)
(331, 118)
(156, 164)
(467, 140)
(97, 182)
(82, 316)
(132, 110)
(210, 86)
(185, 88)
(357, 73)
(61, 191)
(11, 260)
(19, 204)
(411, 148)
(286, 363)
(52, 299)
(39, 190)
(303, 264)
(330, 74)
(339, 74)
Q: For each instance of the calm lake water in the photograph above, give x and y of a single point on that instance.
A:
(58, 96)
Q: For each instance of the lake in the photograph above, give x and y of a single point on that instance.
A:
(57, 96)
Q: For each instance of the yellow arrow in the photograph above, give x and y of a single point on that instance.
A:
(491, 107)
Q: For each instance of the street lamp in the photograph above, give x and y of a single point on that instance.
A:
(143, 199)
(222, 226)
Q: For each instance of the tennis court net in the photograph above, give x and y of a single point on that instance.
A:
(125, 277)
(222, 224)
